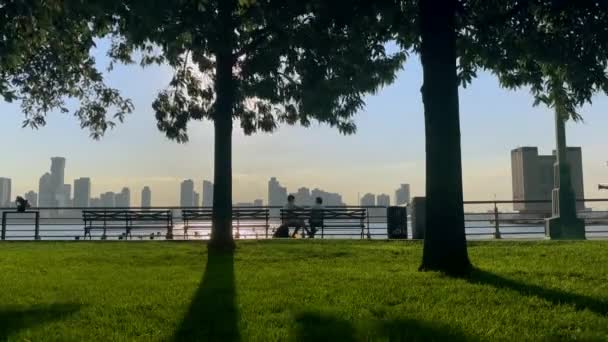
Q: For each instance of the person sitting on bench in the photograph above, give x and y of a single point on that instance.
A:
(290, 220)
(316, 217)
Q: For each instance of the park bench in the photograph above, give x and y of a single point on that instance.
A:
(339, 218)
(127, 220)
(242, 217)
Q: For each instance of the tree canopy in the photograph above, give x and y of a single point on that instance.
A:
(45, 60)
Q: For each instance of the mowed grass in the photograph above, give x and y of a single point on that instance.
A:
(300, 290)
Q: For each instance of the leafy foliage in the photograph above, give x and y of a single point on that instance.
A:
(557, 48)
(45, 61)
(293, 62)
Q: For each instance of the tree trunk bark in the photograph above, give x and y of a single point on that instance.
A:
(221, 230)
(445, 246)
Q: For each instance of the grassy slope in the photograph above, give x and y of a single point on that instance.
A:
(300, 290)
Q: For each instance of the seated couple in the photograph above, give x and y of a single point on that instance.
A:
(315, 221)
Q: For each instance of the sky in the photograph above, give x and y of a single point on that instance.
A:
(387, 150)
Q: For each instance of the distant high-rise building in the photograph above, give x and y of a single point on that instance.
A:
(96, 202)
(123, 199)
(46, 192)
(258, 203)
(5, 192)
(383, 200)
(64, 196)
(57, 172)
(402, 195)
(82, 192)
(108, 199)
(303, 197)
(277, 195)
(146, 197)
(533, 177)
(329, 199)
(207, 194)
(32, 198)
(187, 193)
(196, 199)
(368, 200)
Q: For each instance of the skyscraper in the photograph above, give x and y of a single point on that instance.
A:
(108, 199)
(64, 195)
(82, 192)
(96, 202)
(123, 199)
(146, 197)
(384, 200)
(402, 195)
(5, 192)
(186, 193)
(368, 200)
(46, 192)
(52, 190)
(277, 195)
(207, 194)
(303, 196)
(32, 198)
(533, 177)
(329, 198)
(57, 172)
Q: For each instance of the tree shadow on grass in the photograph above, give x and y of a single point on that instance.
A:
(317, 327)
(14, 319)
(213, 314)
(556, 297)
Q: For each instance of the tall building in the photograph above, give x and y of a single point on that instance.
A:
(368, 200)
(57, 172)
(82, 192)
(383, 200)
(533, 177)
(64, 195)
(258, 203)
(46, 192)
(123, 199)
(329, 198)
(196, 199)
(52, 190)
(5, 192)
(187, 193)
(402, 195)
(146, 197)
(32, 198)
(277, 195)
(96, 203)
(108, 199)
(207, 194)
(303, 197)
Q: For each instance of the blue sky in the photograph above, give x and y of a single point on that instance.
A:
(387, 150)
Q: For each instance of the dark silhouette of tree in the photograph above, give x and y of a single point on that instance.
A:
(45, 60)
(262, 62)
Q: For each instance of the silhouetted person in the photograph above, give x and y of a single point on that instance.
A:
(316, 217)
(22, 204)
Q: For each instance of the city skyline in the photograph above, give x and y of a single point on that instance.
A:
(388, 148)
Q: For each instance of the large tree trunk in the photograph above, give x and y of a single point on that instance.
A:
(444, 242)
(221, 231)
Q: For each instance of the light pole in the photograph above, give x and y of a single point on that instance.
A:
(563, 223)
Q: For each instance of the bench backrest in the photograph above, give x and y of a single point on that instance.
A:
(126, 215)
(325, 214)
(237, 214)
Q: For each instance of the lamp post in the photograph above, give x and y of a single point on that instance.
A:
(563, 223)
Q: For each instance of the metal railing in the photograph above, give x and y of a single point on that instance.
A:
(483, 220)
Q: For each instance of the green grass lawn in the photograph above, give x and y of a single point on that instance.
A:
(300, 290)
